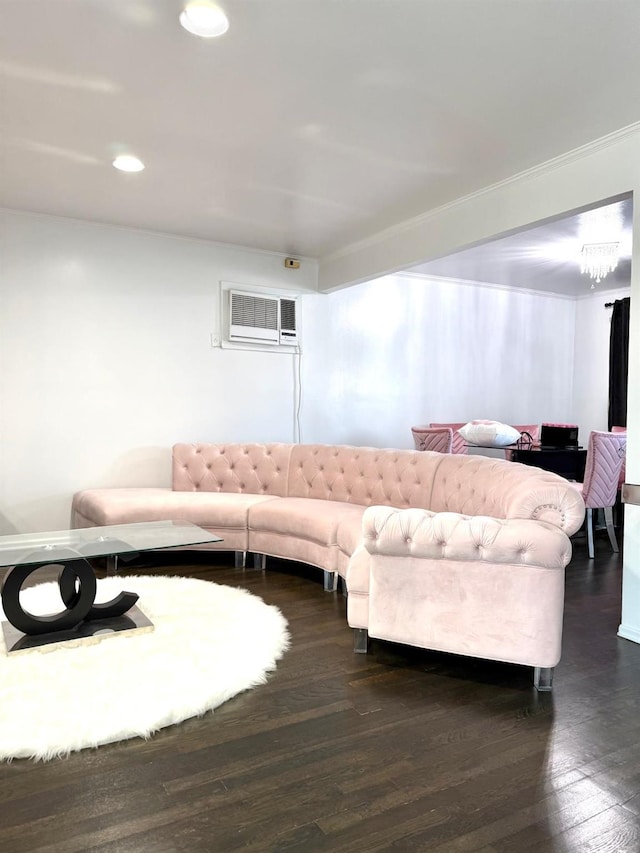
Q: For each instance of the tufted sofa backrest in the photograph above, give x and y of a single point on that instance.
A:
(369, 476)
(363, 475)
(254, 468)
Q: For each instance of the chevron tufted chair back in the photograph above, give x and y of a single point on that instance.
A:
(606, 454)
(458, 444)
(623, 471)
(439, 439)
(605, 457)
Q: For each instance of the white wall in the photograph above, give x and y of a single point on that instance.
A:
(630, 617)
(604, 170)
(105, 348)
(403, 350)
(591, 375)
(107, 360)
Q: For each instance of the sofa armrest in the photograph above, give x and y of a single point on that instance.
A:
(473, 585)
(477, 485)
(453, 536)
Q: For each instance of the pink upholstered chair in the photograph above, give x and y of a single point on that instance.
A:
(623, 470)
(439, 439)
(458, 445)
(605, 458)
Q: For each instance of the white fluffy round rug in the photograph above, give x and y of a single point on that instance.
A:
(209, 643)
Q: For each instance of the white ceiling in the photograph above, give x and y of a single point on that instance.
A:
(547, 257)
(312, 123)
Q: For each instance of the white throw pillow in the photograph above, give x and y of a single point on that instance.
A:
(489, 433)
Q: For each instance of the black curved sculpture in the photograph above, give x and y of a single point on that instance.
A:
(77, 583)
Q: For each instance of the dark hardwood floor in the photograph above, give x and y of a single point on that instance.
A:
(400, 749)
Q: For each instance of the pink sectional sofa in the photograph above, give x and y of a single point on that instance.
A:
(464, 554)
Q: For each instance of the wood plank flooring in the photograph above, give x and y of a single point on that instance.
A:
(397, 750)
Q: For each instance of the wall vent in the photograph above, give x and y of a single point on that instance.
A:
(288, 329)
(262, 319)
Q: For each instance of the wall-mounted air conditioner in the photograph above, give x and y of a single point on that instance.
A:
(255, 318)
(288, 327)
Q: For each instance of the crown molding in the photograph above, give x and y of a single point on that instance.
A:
(546, 167)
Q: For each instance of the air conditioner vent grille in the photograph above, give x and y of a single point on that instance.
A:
(254, 312)
(288, 314)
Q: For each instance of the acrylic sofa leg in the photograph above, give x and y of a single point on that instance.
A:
(240, 559)
(330, 581)
(608, 517)
(543, 678)
(260, 561)
(360, 641)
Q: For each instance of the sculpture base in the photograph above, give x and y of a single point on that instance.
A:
(92, 631)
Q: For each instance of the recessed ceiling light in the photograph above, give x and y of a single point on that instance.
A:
(204, 19)
(128, 163)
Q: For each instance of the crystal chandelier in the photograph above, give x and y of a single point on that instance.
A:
(599, 259)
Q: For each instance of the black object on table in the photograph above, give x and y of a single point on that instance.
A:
(567, 462)
(70, 551)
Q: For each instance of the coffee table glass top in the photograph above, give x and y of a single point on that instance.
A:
(29, 548)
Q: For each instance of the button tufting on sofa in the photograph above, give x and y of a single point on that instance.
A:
(457, 567)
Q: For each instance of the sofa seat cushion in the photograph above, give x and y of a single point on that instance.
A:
(206, 509)
(300, 518)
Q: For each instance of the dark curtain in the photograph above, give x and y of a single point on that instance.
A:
(619, 362)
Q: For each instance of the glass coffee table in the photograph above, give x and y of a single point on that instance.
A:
(71, 551)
